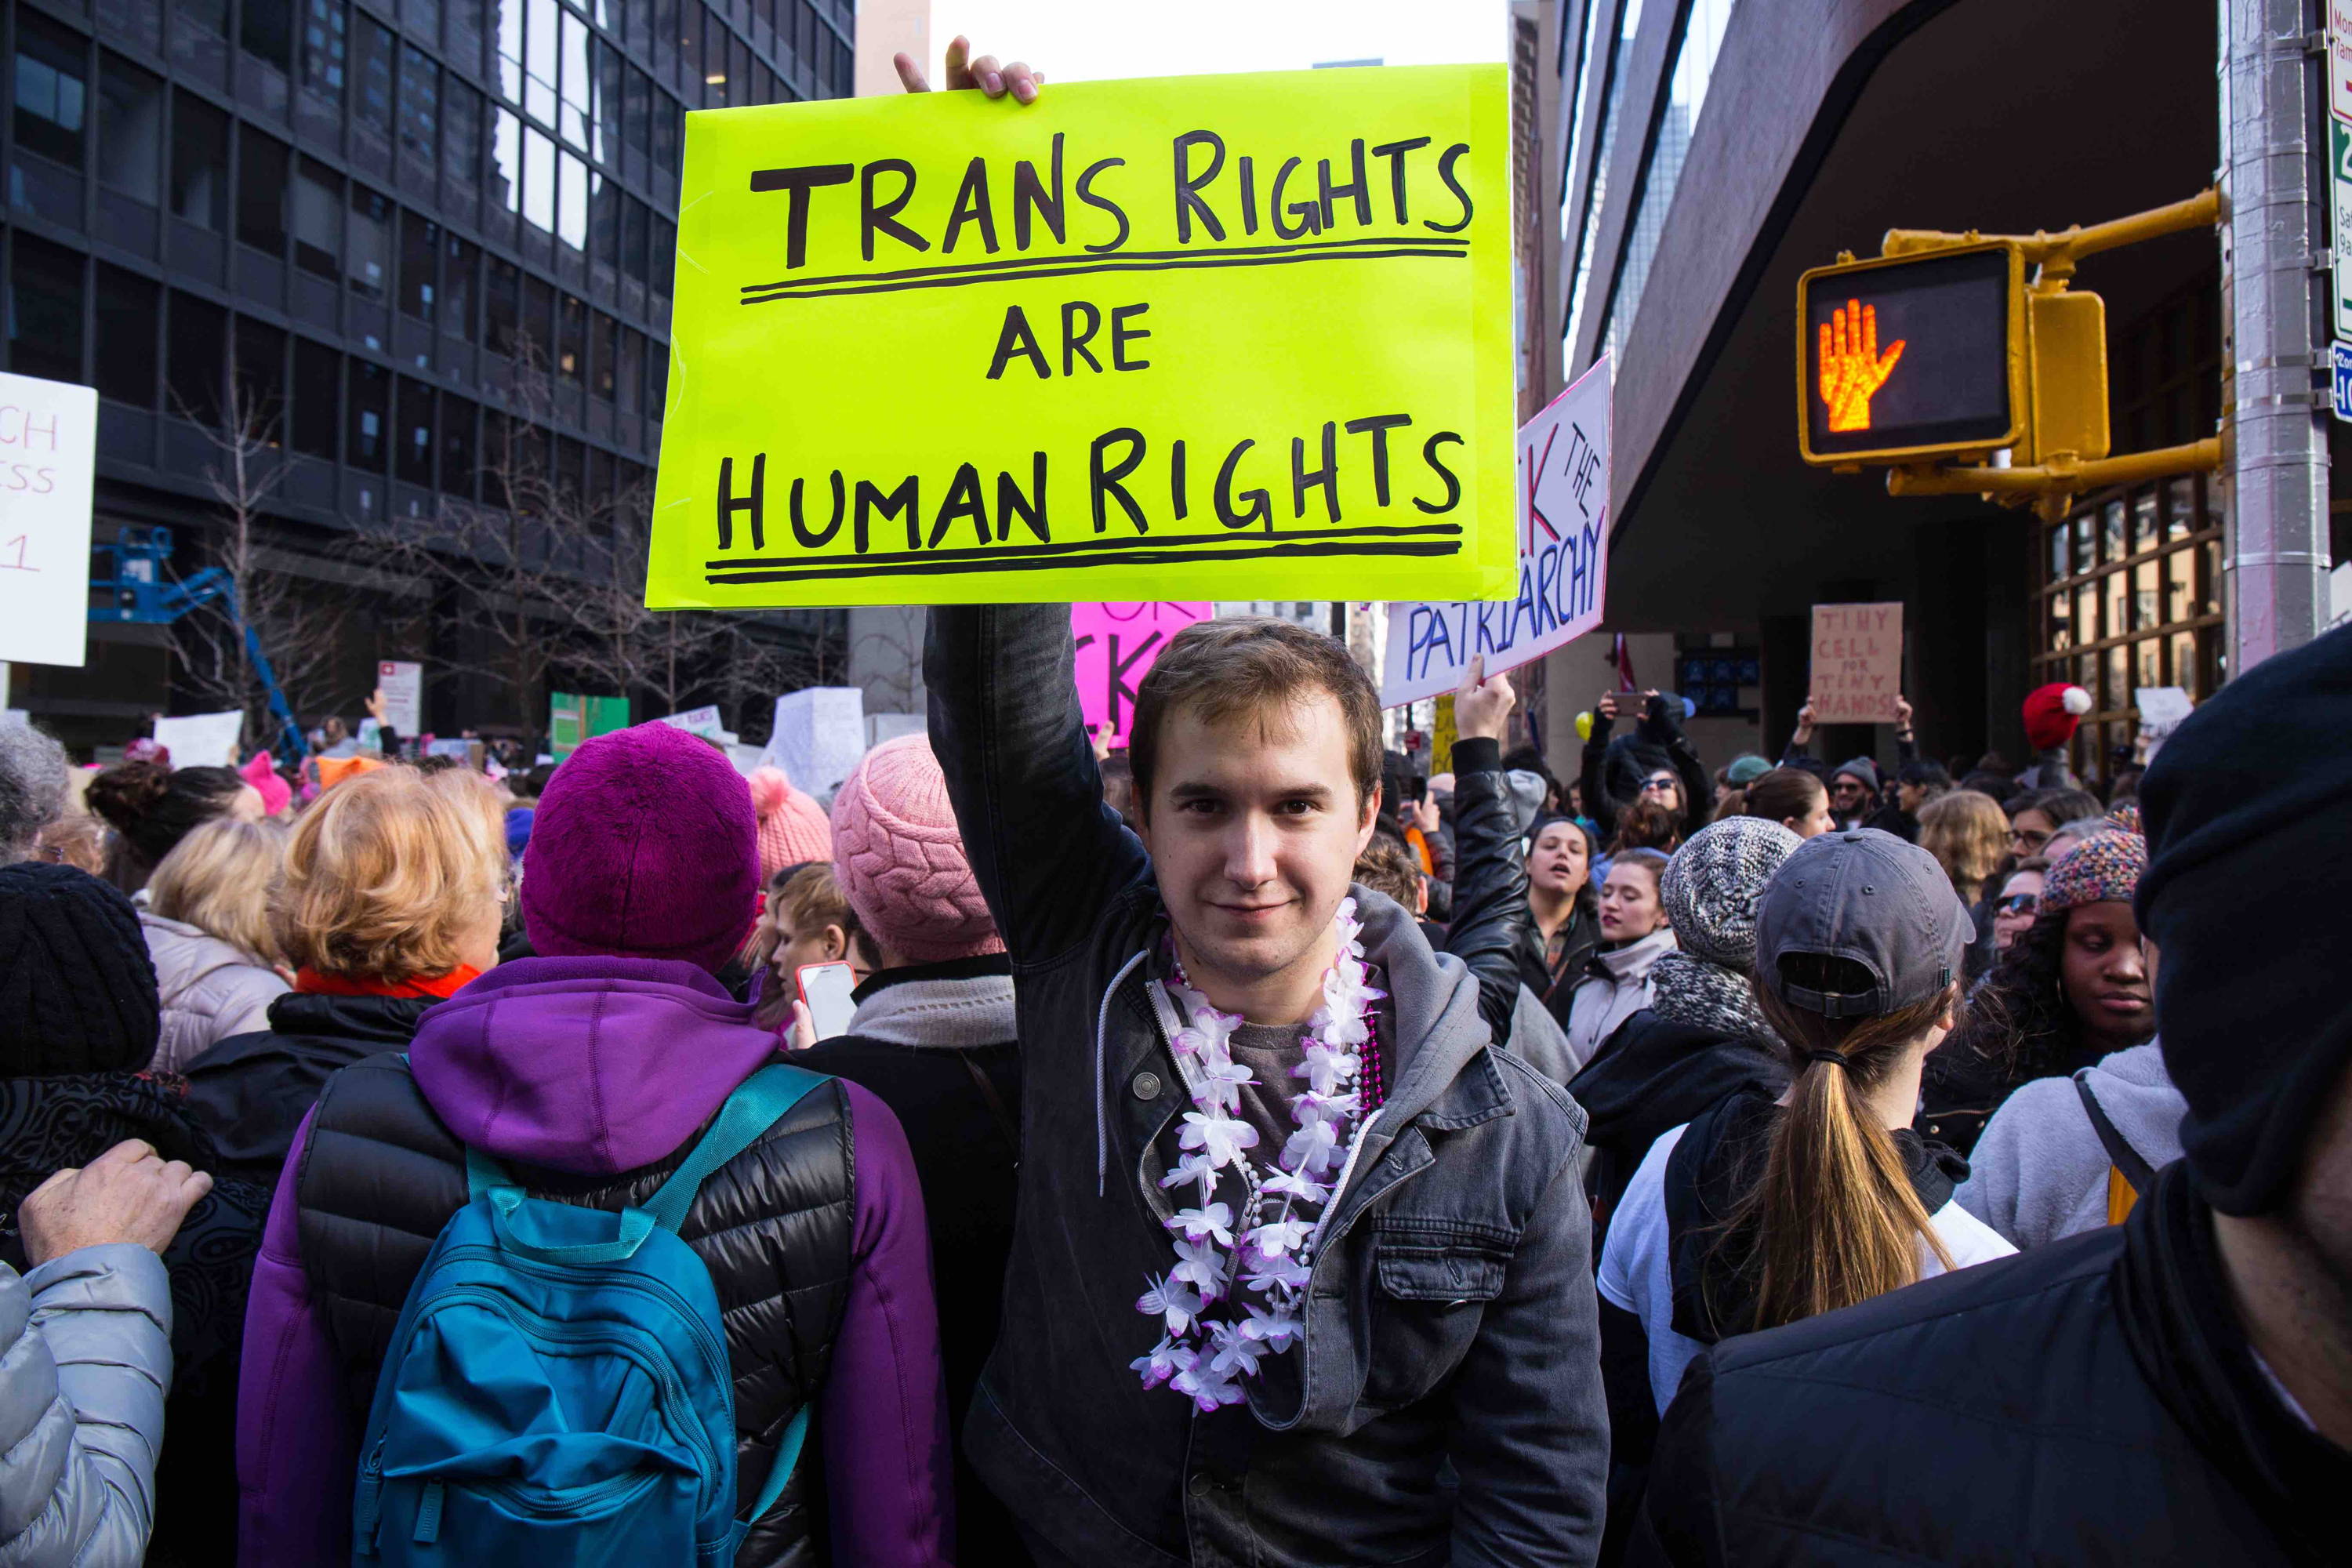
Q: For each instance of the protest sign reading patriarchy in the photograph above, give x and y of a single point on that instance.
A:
(1117, 644)
(1857, 663)
(1184, 336)
(48, 443)
(1563, 558)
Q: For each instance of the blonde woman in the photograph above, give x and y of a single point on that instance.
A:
(1968, 833)
(207, 929)
(393, 897)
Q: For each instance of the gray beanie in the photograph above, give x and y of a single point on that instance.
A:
(1714, 883)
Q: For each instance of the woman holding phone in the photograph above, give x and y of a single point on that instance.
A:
(933, 1037)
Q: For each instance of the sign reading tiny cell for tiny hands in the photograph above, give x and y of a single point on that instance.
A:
(1147, 341)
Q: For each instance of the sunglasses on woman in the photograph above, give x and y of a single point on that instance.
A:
(2020, 904)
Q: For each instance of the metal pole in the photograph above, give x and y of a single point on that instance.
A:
(2276, 478)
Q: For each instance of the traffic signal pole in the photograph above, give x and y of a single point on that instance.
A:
(2276, 472)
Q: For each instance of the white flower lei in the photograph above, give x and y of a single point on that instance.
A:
(1203, 1355)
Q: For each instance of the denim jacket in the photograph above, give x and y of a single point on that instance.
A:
(1445, 1403)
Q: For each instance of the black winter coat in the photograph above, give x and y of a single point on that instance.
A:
(1612, 776)
(1491, 929)
(251, 1091)
(1648, 1077)
(380, 1175)
(2092, 1402)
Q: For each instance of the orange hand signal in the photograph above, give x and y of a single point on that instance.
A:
(1851, 368)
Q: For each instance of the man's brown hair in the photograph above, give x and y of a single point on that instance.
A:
(1386, 865)
(1252, 665)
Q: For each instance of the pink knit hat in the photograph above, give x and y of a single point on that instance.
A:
(792, 827)
(902, 861)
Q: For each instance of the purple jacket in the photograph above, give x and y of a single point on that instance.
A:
(665, 1045)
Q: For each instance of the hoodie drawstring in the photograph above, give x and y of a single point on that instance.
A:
(1102, 1124)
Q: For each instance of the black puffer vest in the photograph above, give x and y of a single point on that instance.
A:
(380, 1175)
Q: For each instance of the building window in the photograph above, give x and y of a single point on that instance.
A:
(317, 219)
(502, 326)
(259, 363)
(325, 46)
(129, 319)
(369, 388)
(371, 65)
(318, 382)
(539, 323)
(199, 162)
(367, 261)
(570, 339)
(420, 107)
(461, 163)
(262, 164)
(1694, 56)
(130, 129)
(605, 350)
(629, 371)
(52, 83)
(197, 370)
(457, 444)
(412, 459)
(265, 32)
(578, 87)
(1596, 199)
(538, 181)
(45, 310)
(571, 202)
(420, 243)
(542, 40)
(506, 161)
(461, 265)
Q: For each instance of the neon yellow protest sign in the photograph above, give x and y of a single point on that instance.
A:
(1141, 341)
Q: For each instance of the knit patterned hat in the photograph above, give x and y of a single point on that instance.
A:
(1714, 882)
(642, 846)
(792, 827)
(77, 987)
(901, 859)
(2104, 867)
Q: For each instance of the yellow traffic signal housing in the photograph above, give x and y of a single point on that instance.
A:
(1905, 359)
(1942, 353)
(2068, 337)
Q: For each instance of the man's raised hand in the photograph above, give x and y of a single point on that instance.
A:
(1482, 706)
(984, 73)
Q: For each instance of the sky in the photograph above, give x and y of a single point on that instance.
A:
(1088, 40)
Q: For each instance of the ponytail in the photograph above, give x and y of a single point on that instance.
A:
(1834, 1219)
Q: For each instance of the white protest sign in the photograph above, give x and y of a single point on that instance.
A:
(402, 688)
(48, 438)
(201, 739)
(1563, 559)
(704, 721)
(820, 734)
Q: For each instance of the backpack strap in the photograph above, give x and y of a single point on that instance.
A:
(758, 1103)
(2120, 1153)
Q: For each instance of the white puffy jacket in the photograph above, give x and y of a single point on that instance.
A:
(85, 1361)
(209, 990)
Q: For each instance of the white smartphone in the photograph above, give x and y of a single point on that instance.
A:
(826, 988)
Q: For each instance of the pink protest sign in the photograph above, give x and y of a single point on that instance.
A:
(1116, 643)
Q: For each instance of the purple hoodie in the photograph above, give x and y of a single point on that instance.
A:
(599, 1066)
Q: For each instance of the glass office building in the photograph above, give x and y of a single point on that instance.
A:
(378, 227)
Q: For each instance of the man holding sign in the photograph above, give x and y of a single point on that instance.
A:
(1366, 1329)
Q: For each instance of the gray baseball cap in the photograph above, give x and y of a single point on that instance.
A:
(1868, 896)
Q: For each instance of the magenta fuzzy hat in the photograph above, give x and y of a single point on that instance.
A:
(642, 846)
(900, 858)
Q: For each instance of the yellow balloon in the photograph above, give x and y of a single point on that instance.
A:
(1584, 725)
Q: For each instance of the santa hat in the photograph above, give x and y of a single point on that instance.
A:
(2051, 712)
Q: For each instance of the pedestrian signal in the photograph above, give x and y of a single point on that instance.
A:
(1907, 358)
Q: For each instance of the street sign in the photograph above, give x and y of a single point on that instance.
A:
(2339, 59)
(1907, 358)
(2343, 366)
(2339, 207)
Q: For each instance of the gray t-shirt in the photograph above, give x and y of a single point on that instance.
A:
(1269, 1051)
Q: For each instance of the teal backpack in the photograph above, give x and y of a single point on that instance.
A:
(557, 1392)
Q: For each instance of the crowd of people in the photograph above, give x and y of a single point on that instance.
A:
(1223, 1158)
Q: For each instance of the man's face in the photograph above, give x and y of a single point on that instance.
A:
(1254, 831)
(1846, 793)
